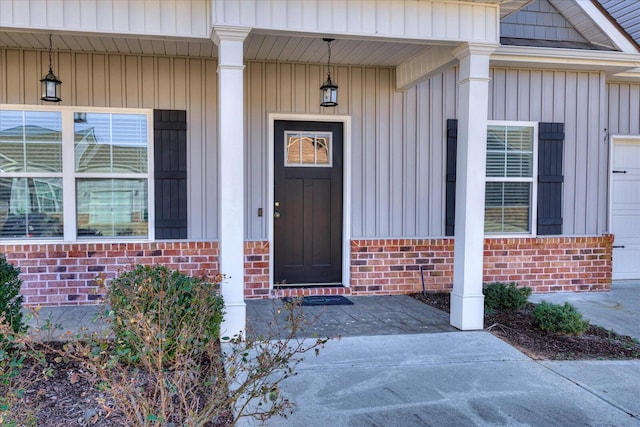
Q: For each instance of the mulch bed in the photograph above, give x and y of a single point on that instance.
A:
(517, 328)
(72, 396)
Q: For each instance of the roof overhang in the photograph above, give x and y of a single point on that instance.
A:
(566, 59)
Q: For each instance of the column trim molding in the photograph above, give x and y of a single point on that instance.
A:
(466, 49)
(228, 33)
(231, 67)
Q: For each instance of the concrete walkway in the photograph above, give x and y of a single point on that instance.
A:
(455, 379)
(458, 378)
(399, 363)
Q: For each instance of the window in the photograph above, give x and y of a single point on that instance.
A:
(74, 174)
(510, 186)
(307, 149)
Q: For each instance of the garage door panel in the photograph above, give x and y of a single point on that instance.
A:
(624, 226)
(626, 155)
(625, 208)
(626, 193)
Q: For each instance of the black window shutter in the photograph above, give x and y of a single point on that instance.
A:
(450, 200)
(170, 173)
(550, 178)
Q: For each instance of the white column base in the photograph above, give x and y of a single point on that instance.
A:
(234, 322)
(467, 312)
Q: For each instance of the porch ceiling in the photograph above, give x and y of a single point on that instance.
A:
(258, 47)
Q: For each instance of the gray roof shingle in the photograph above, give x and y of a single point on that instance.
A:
(627, 15)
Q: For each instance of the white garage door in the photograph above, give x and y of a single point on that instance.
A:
(625, 208)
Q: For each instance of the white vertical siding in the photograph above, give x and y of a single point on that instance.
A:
(135, 81)
(398, 143)
(623, 102)
(178, 18)
(398, 138)
(415, 19)
(575, 99)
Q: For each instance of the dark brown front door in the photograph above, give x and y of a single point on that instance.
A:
(307, 208)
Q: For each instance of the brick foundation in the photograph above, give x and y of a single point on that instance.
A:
(545, 264)
(551, 264)
(393, 266)
(65, 274)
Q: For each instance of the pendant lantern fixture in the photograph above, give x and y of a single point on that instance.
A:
(328, 90)
(50, 83)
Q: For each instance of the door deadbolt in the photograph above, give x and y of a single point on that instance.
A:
(276, 204)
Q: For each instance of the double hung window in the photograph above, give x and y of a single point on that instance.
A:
(510, 192)
(74, 174)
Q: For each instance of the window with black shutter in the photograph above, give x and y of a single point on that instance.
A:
(509, 180)
(170, 173)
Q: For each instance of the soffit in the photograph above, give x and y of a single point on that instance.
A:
(258, 47)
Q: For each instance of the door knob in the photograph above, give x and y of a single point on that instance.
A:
(276, 214)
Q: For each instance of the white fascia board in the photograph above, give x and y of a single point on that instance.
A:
(616, 36)
(573, 59)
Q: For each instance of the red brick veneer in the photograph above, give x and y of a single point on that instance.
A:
(393, 266)
(546, 264)
(551, 264)
(65, 273)
(256, 269)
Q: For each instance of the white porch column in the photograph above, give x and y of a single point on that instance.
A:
(231, 174)
(467, 301)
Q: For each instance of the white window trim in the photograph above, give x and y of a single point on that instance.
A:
(533, 202)
(69, 175)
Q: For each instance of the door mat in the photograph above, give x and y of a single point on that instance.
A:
(322, 300)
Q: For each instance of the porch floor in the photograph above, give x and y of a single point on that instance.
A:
(369, 315)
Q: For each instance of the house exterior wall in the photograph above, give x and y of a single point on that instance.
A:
(398, 138)
(398, 143)
(398, 166)
(136, 81)
(623, 108)
(76, 273)
(578, 100)
(401, 266)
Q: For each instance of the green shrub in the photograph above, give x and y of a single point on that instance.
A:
(505, 296)
(10, 298)
(162, 313)
(564, 319)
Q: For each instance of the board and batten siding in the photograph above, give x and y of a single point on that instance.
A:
(623, 108)
(398, 141)
(576, 99)
(135, 81)
(169, 18)
(398, 138)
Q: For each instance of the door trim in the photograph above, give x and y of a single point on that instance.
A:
(346, 185)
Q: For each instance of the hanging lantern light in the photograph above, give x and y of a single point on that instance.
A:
(50, 83)
(328, 90)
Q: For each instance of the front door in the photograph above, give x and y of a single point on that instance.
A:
(307, 208)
